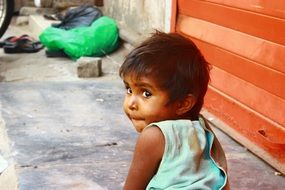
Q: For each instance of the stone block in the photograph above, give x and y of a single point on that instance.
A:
(26, 11)
(64, 4)
(89, 67)
(22, 20)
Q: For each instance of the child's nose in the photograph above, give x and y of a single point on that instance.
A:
(132, 103)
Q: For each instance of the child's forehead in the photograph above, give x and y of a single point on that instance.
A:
(135, 78)
(141, 80)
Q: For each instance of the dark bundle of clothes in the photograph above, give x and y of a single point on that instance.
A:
(84, 15)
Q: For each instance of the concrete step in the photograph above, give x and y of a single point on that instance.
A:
(37, 23)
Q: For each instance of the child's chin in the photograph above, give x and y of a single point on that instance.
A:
(139, 127)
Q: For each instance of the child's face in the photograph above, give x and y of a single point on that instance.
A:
(146, 103)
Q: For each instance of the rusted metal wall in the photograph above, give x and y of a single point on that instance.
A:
(245, 42)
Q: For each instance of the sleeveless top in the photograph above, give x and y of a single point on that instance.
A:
(187, 162)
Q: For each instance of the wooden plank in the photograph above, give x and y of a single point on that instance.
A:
(244, 68)
(272, 8)
(248, 123)
(264, 52)
(246, 93)
(262, 26)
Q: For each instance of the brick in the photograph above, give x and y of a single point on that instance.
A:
(89, 67)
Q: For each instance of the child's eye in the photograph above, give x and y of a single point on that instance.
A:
(146, 94)
(129, 90)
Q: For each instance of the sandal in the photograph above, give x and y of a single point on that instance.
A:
(11, 40)
(23, 44)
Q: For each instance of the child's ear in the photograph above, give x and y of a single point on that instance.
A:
(185, 104)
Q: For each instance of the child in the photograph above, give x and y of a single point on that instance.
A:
(166, 78)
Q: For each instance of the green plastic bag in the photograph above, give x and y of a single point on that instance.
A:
(101, 38)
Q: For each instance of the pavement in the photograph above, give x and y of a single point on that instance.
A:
(58, 131)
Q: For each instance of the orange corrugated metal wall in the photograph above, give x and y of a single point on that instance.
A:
(245, 42)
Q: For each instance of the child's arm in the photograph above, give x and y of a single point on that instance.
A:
(146, 159)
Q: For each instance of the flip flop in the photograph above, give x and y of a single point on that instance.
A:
(11, 40)
(23, 45)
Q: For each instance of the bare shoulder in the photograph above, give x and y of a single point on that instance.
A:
(152, 136)
(146, 159)
(151, 132)
(151, 143)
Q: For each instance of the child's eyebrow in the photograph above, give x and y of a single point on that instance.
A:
(144, 85)
(125, 82)
(140, 84)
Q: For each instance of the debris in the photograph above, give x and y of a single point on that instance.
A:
(278, 174)
(99, 100)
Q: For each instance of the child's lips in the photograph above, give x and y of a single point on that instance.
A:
(136, 118)
(133, 117)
